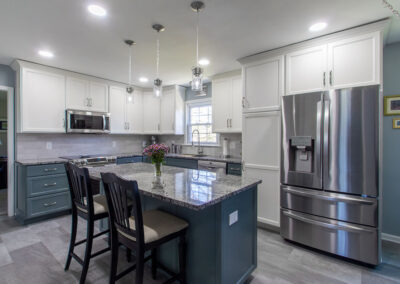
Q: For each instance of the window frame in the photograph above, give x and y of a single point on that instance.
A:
(198, 103)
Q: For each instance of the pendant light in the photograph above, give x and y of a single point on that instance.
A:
(129, 89)
(197, 71)
(157, 88)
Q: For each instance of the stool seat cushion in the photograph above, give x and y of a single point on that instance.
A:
(157, 225)
(99, 204)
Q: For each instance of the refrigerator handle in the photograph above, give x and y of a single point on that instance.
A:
(318, 160)
(327, 118)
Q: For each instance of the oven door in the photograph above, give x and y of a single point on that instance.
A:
(87, 122)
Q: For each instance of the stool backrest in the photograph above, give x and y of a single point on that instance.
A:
(117, 192)
(80, 188)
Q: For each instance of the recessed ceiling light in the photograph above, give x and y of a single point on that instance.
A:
(317, 27)
(97, 10)
(46, 53)
(204, 62)
(143, 79)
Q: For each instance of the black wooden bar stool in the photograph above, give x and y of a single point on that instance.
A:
(140, 231)
(89, 207)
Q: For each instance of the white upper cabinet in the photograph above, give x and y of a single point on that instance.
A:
(167, 113)
(227, 104)
(117, 110)
(263, 84)
(151, 113)
(83, 94)
(306, 70)
(41, 101)
(134, 112)
(98, 96)
(355, 61)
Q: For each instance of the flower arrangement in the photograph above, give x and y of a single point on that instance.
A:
(157, 153)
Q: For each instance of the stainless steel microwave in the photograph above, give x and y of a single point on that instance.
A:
(87, 121)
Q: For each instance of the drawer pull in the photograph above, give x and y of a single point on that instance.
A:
(50, 170)
(49, 184)
(50, 204)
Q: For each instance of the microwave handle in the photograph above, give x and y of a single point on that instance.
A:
(104, 122)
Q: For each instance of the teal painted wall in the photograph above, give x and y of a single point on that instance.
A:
(190, 95)
(7, 76)
(391, 144)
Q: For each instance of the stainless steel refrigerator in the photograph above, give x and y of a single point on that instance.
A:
(330, 172)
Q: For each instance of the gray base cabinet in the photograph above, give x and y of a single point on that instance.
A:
(42, 192)
(127, 160)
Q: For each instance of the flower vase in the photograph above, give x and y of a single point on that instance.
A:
(157, 181)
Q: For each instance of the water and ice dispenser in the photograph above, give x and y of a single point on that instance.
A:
(301, 154)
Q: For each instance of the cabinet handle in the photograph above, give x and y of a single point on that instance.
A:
(227, 123)
(330, 77)
(49, 204)
(324, 80)
(129, 126)
(50, 170)
(243, 101)
(49, 184)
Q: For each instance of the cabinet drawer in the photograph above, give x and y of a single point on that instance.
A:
(40, 170)
(127, 160)
(47, 184)
(47, 204)
(182, 163)
(234, 169)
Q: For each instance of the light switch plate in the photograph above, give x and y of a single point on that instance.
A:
(233, 217)
(49, 145)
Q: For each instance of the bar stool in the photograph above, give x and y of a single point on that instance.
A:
(89, 207)
(140, 231)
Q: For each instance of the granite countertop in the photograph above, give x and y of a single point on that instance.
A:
(192, 189)
(40, 161)
(207, 158)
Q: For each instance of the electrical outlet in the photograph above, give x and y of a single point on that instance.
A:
(233, 217)
(114, 144)
(49, 145)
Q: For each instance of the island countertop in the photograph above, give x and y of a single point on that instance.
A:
(193, 189)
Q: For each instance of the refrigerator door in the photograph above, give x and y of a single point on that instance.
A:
(351, 141)
(301, 158)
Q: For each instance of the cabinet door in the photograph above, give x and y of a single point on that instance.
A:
(151, 113)
(221, 104)
(98, 96)
(167, 114)
(117, 110)
(355, 61)
(77, 93)
(261, 152)
(134, 112)
(236, 99)
(42, 102)
(263, 85)
(306, 70)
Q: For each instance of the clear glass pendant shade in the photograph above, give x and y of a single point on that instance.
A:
(197, 79)
(157, 89)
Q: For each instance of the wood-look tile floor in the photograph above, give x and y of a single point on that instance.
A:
(35, 254)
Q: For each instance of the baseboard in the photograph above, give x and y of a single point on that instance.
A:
(390, 238)
(268, 224)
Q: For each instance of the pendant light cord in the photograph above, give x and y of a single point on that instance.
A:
(158, 51)
(197, 39)
(130, 66)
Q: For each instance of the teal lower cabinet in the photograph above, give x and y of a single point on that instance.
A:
(182, 163)
(42, 192)
(128, 160)
(234, 169)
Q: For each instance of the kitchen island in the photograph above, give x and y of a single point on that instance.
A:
(221, 211)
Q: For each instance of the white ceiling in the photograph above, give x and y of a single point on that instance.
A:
(229, 29)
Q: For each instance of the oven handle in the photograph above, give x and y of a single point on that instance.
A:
(348, 228)
(318, 195)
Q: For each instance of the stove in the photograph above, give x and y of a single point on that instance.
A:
(91, 160)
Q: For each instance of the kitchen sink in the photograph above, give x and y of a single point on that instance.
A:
(193, 155)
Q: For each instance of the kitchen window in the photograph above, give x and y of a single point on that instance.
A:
(199, 117)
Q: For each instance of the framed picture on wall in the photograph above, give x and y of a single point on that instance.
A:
(391, 105)
(396, 123)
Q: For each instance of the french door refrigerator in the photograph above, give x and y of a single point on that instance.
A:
(330, 172)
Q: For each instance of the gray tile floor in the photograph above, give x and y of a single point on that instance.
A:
(36, 254)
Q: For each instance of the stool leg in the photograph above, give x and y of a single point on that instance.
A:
(154, 263)
(114, 256)
(139, 266)
(182, 259)
(73, 238)
(88, 251)
(128, 255)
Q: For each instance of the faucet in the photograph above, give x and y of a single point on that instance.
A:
(199, 149)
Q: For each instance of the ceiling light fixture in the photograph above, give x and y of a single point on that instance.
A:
(197, 71)
(46, 53)
(143, 79)
(157, 88)
(129, 89)
(317, 27)
(97, 10)
(204, 62)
